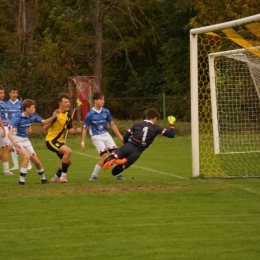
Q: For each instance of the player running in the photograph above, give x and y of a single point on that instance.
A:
(143, 134)
(20, 141)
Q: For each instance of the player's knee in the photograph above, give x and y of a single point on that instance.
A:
(68, 151)
(118, 169)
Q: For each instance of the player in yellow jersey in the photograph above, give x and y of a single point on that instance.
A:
(55, 139)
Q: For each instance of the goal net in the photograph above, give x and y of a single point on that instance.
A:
(81, 88)
(225, 94)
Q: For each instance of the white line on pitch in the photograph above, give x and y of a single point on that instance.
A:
(140, 167)
(176, 176)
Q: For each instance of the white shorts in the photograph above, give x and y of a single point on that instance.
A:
(103, 142)
(4, 141)
(24, 142)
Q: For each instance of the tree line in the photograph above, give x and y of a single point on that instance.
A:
(137, 48)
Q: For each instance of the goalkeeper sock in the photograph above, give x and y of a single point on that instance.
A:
(96, 170)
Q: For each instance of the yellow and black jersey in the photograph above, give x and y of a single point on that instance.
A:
(59, 125)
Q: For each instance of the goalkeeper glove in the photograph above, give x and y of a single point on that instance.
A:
(171, 120)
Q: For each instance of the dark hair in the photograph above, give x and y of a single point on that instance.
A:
(151, 113)
(2, 88)
(63, 95)
(98, 95)
(28, 103)
(13, 89)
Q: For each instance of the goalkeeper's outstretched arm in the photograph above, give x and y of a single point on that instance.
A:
(171, 132)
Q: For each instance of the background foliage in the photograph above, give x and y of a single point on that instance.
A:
(145, 44)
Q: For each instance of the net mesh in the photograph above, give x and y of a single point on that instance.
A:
(85, 87)
(229, 137)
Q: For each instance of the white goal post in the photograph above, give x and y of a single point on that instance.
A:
(212, 154)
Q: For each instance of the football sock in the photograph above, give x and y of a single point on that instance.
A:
(41, 174)
(6, 167)
(23, 174)
(96, 170)
(64, 167)
(15, 159)
(58, 173)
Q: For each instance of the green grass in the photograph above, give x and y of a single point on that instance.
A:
(158, 212)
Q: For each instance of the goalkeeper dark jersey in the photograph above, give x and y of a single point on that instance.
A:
(143, 134)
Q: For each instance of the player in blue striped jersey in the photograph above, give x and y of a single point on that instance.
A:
(4, 140)
(96, 122)
(20, 141)
(14, 106)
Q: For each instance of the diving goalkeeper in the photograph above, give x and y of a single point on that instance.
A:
(138, 138)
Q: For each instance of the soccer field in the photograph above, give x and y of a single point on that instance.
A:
(157, 212)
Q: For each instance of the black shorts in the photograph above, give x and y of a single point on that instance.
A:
(55, 146)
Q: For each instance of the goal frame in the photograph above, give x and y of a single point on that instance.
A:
(212, 79)
(194, 83)
(73, 87)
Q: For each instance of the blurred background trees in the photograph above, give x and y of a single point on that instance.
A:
(137, 48)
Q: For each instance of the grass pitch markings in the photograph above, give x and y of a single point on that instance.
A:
(176, 176)
(140, 167)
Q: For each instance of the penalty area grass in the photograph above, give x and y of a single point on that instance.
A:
(157, 212)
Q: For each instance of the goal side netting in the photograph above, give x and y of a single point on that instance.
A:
(225, 94)
(82, 88)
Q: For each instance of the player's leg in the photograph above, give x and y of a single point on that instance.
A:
(39, 168)
(131, 159)
(14, 156)
(23, 169)
(99, 142)
(6, 147)
(5, 160)
(65, 162)
(29, 166)
(119, 156)
(35, 160)
(54, 146)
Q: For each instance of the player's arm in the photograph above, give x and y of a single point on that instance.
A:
(116, 131)
(47, 126)
(171, 132)
(127, 134)
(30, 130)
(10, 136)
(83, 137)
(71, 130)
(50, 119)
(2, 126)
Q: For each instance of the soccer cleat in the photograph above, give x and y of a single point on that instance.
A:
(54, 179)
(108, 164)
(63, 180)
(16, 167)
(8, 173)
(93, 178)
(45, 182)
(21, 183)
(120, 177)
(121, 161)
